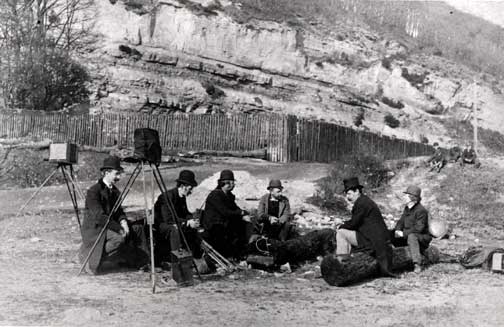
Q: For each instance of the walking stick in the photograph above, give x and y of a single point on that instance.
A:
(149, 218)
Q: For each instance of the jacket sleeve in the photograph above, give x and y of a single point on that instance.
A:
(285, 216)
(217, 200)
(262, 212)
(359, 212)
(98, 215)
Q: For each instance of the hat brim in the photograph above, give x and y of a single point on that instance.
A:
(270, 187)
(360, 187)
(120, 168)
(183, 181)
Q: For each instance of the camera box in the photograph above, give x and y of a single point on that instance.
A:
(63, 153)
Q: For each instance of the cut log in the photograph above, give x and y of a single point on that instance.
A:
(356, 267)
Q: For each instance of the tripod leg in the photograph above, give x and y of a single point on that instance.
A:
(118, 203)
(162, 187)
(75, 184)
(73, 196)
(149, 221)
(37, 191)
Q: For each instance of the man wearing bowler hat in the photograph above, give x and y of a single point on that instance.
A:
(366, 229)
(123, 242)
(413, 227)
(274, 213)
(227, 226)
(167, 234)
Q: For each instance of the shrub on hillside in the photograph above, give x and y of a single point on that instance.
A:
(359, 118)
(391, 121)
(392, 103)
(370, 170)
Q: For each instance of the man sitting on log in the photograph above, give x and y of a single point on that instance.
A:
(273, 213)
(366, 229)
(227, 227)
(167, 235)
(413, 227)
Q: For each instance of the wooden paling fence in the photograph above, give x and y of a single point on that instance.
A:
(285, 138)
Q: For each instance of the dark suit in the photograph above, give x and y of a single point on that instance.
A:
(167, 235)
(224, 228)
(414, 224)
(372, 233)
(99, 203)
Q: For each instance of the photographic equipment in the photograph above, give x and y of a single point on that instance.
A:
(65, 155)
(147, 151)
(147, 145)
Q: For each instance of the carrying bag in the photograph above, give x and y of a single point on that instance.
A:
(147, 145)
(479, 257)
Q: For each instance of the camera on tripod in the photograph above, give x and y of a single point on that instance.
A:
(65, 153)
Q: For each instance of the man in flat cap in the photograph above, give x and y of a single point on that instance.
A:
(227, 226)
(123, 242)
(412, 229)
(167, 234)
(366, 229)
(273, 213)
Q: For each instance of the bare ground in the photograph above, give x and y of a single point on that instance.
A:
(40, 286)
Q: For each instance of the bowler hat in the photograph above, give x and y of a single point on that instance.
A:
(112, 162)
(275, 183)
(187, 177)
(226, 175)
(414, 190)
(350, 183)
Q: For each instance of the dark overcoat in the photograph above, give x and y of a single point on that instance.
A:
(99, 203)
(163, 217)
(368, 222)
(220, 209)
(415, 221)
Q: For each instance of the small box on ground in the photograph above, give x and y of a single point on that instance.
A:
(63, 153)
(182, 273)
(497, 262)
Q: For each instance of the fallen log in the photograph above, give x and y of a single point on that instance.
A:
(269, 253)
(356, 267)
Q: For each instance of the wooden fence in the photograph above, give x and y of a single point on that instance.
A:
(285, 138)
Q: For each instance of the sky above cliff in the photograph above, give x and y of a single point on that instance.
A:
(491, 10)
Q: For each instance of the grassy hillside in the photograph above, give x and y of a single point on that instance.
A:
(423, 26)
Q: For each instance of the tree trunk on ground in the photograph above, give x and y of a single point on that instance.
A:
(346, 270)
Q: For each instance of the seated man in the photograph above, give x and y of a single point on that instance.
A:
(227, 227)
(437, 160)
(123, 242)
(469, 156)
(167, 236)
(413, 228)
(274, 213)
(366, 229)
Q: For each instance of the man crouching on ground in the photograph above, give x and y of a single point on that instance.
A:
(122, 243)
(366, 229)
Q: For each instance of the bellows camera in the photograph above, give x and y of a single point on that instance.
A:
(147, 145)
(63, 153)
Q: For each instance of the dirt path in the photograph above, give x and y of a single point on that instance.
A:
(40, 286)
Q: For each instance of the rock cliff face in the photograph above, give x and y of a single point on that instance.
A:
(188, 56)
